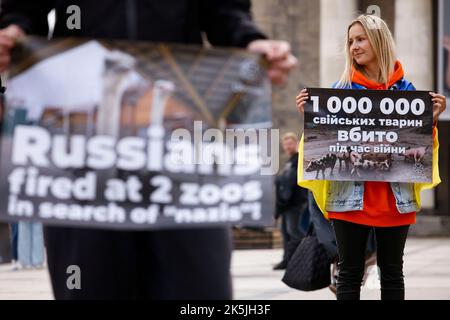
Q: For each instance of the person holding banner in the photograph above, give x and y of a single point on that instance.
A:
(168, 264)
(389, 208)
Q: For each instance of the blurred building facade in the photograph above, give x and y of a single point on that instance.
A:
(316, 31)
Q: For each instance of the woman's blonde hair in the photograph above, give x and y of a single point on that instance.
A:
(383, 45)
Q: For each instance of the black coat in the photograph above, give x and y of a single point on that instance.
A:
(289, 195)
(225, 22)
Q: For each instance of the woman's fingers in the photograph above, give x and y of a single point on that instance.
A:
(438, 107)
(439, 104)
(439, 98)
(303, 93)
(301, 99)
(301, 106)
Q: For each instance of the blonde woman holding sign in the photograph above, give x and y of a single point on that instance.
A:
(354, 208)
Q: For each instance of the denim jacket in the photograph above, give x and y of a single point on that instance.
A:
(348, 195)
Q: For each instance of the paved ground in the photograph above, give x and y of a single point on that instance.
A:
(427, 276)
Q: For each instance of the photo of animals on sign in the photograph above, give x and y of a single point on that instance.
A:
(368, 135)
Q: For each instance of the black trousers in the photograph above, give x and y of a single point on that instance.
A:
(351, 241)
(174, 264)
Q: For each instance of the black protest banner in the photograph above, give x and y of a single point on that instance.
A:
(368, 135)
(126, 135)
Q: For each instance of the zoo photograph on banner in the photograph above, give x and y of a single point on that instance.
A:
(368, 135)
(130, 135)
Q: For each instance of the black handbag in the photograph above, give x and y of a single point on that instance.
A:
(309, 267)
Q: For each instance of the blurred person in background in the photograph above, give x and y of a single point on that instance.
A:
(30, 245)
(291, 201)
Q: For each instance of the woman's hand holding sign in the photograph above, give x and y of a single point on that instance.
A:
(301, 100)
(439, 105)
